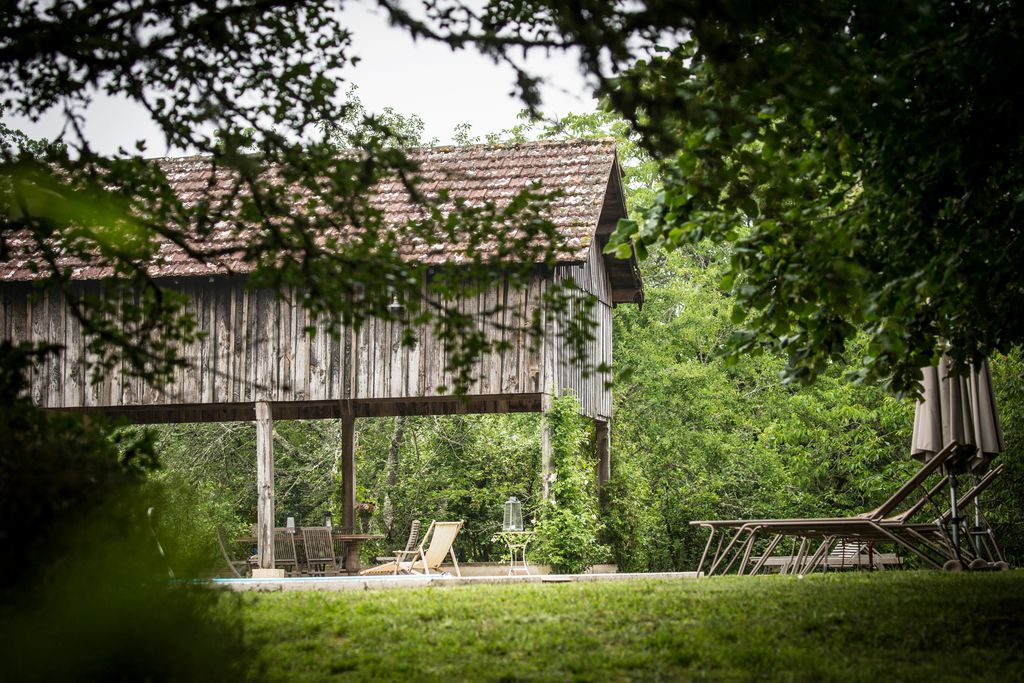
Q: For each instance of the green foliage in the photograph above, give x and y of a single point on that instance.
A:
(454, 468)
(110, 609)
(863, 161)
(460, 467)
(700, 435)
(83, 562)
(1002, 502)
(55, 468)
(568, 526)
(911, 626)
(864, 164)
(390, 128)
(695, 437)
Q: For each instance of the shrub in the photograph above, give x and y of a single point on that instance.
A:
(568, 528)
(85, 591)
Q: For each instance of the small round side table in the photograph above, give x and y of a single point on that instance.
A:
(516, 542)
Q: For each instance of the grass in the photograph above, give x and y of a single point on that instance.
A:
(925, 626)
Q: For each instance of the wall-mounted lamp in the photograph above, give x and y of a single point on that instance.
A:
(395, 308)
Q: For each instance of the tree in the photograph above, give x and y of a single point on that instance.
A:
(864, 161)
(697, 439)
(256, 88)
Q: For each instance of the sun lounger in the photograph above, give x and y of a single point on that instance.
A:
(427, 558)
(880, 525)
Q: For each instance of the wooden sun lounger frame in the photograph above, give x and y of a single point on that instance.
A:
(418, 559)
(400, 555)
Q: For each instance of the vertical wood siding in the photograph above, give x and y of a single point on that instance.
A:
(255, 348)
(581, 378)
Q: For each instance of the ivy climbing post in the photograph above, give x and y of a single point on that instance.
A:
(568, 526)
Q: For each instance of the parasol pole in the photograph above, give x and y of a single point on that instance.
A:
(954, 521)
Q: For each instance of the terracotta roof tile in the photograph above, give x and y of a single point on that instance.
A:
(578, 169)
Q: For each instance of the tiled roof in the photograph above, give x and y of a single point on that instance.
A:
(578, 169)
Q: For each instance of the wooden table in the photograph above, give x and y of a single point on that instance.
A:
(350, 542)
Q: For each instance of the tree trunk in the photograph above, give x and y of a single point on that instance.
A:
(388, 514)
(393, 453)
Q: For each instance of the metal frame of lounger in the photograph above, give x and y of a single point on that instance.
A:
(823, 533)
(936, 535)
(844, 553)
(931, 542)
(865, 524)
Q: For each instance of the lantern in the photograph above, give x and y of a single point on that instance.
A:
(329, 521)
(513, 519)
(396, 308)
(290, 525)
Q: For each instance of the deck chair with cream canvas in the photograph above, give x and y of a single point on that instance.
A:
(437, 544)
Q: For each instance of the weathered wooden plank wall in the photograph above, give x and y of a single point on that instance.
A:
(582, 378)
(256, 349)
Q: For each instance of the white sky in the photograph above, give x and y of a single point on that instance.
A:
(444, 88)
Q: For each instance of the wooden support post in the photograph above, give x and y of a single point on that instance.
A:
(348, 489)
(550, 388)
(348, 474)
(603, 448)
(547, 465)
(265, 485)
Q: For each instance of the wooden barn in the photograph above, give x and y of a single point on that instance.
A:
(257, 362)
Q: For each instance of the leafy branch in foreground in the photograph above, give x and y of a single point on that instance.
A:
(864, 162)
(280, 194)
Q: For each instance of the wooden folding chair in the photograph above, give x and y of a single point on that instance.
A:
(410, 545)
(319, 546)
(285, 556)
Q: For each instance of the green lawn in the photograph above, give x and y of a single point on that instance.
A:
(920, 626)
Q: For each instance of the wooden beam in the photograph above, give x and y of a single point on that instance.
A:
(602, 445)
(317, 410)
(625, 295)
(603, 449)
(547, 465)
(348, 474)
(265, 485)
